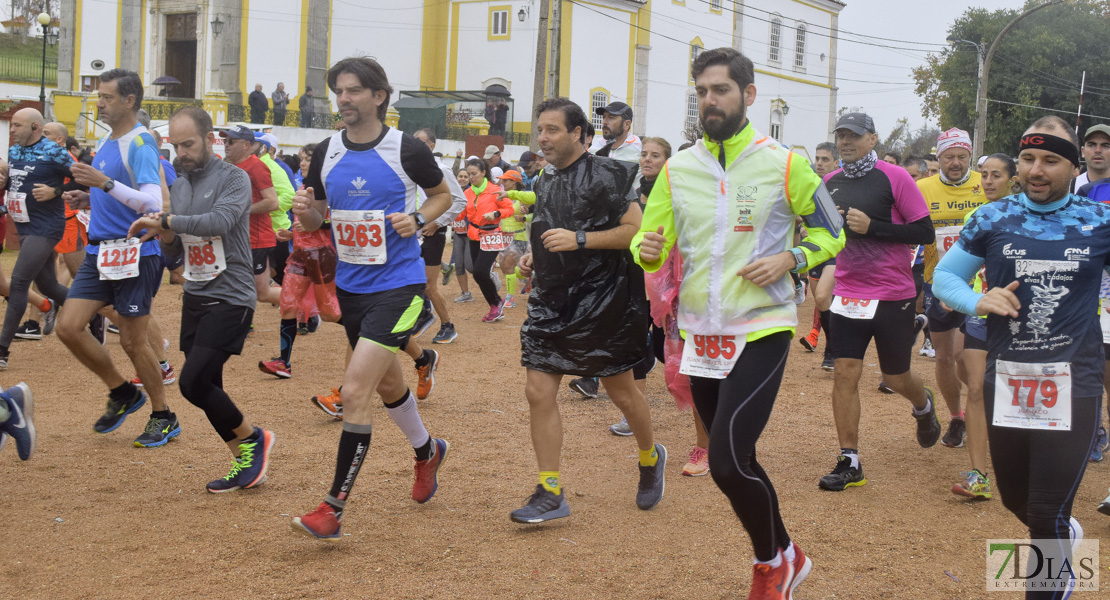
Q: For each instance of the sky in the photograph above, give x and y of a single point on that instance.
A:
(919, 25)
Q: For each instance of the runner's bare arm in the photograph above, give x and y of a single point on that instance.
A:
(268, 204)
(823, 292)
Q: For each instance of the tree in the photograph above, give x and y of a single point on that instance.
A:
(1036, 70)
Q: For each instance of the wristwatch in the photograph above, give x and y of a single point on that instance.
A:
(420, 220)
(107, 187)
(165, 221)
(799, 259)
(580, 237)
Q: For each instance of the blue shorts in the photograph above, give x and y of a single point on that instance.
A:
(130, 297)
(940, 320)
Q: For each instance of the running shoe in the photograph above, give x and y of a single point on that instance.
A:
(975, 486)
(493, 314)
(587, 386)
(29, 330)
(809, 342)
(117, 411)
(1101, 444)
(3, 440)
(919, 323)
(4, 362)
(168, 377)
(96, 328)
(621, 428)
(331, 404)
(20, 425)
(652, 481)
(314, 323)
(249, 469)
(843, 475)
(802, 566)
(446, 335)
(447, 270)
(771, 583)
(426, 376)
(424, 321)
(828, 364)
(112, 328)
(928, 426)
(158, 432)
(927, 349)
(302, 328)
(427, 472)
(322, 523)
(50, 319)
(698, 465)
(276, 367)
(542, 506)
(884, 388)
(954, 437)
(509, 302)
(1075, 532)
(800, 293)
(1104, 506)
(464, 297)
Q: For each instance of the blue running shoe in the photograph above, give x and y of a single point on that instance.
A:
(158, 432)
(1101, 443)
(249, 469)
(20, 425)
(117, 411)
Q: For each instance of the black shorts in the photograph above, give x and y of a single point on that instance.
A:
(212, 323)
(385, 318)
(130, 297)
(940, 320)
(815, 272)
(432, 248)
(891, 328)
(260, 259)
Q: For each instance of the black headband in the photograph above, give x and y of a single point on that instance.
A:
(1050, 143)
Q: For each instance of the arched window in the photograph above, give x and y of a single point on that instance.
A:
(691, 111)
(696, 48)
(774, 44)
(800, 48)
(776, 124)
(599, 98)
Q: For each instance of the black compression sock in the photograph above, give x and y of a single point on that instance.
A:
(162, 414)
(424, 452)
(288, 335)
(425, 358)
(354, 443)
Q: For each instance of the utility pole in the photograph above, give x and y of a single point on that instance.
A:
(553, 62)
(540, 75)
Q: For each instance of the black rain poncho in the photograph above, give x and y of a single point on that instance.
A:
(588, 312)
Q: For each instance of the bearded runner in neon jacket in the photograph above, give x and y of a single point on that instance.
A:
(729, 208)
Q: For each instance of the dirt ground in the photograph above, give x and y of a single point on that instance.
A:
(90, 516)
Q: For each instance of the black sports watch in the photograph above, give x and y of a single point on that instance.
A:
(580, 237)
(420, 220)
(107, 187)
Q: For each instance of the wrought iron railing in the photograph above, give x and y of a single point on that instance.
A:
(27, 69)
(241, 113)
(162, 110)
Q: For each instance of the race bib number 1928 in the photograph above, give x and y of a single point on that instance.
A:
(359, 236)
(710, 356)
(118, 259)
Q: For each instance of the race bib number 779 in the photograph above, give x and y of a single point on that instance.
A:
(1032, 395)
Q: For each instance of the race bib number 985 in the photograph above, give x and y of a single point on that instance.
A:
(359, 236)
(710, 356)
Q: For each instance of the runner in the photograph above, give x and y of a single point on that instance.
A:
(36, 177)
(460, 247)
(616, 129)
(998, 173)
(484, 213)
(1096, 153)
(585, 317)
(738, 328)
(825, 161)
(1045, 251)
(208, 222)
(265, 146)
(124, 184)
(885, 216)
(17, 411)
(367, 175)
(517, 227)
(951, 195)
(72, 247)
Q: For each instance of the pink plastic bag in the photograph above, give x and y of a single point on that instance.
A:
(662, 290)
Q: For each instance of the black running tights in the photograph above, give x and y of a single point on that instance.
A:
(735, 411)
(202, 382)
(483, 262)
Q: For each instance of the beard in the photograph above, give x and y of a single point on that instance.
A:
(189, 165)
(607, 133)
(728, 126)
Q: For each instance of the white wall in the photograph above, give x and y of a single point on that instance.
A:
(599, 53)
(98, 37)
(392, 37)
(274, 47)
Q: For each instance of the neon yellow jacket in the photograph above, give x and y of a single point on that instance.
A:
(284, 190)
(722, 220)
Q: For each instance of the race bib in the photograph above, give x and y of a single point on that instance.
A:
(1032, 395)
(204, 257)
(1104, 319)
(854, 308)
(359, 236)
(84, 216)
(946, 238)
(460, 227)
(710, 356)
(494, 241)
(118, 259)
(17, 207)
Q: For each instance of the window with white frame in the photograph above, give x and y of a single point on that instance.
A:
(774, 45)
(598, 99)
(776, 124)
(691, 110)
(715, 5)
(800, 48)
(696, 48)
(498, 23)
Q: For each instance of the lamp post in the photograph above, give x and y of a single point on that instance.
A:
(977, 133)
(981, 97)
(44, 20)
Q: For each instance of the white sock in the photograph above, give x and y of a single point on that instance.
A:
(407, 417)
(928, 407)
(775, 562)
(854, 457)
(788, 554)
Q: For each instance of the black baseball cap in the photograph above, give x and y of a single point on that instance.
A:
(856, 122)
(239, 132)
(615, 108)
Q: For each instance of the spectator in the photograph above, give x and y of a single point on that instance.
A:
(493, 158)
(258, 103)
(501, 117)
(307, 107)
(281, 102)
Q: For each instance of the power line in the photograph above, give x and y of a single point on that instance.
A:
(1066, 112)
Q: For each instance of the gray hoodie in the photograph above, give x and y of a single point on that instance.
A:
(216, 200)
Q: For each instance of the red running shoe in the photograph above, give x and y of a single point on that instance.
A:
(322, 523)
(427, 471)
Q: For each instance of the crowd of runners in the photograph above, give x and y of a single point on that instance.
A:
(626, 255)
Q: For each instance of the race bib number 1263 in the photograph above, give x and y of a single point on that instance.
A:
(359, 236)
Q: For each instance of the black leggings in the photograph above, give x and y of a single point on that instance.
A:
(34, 264)
(483, 262)
(735, 411)
(202, 382)
(1037, 472)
